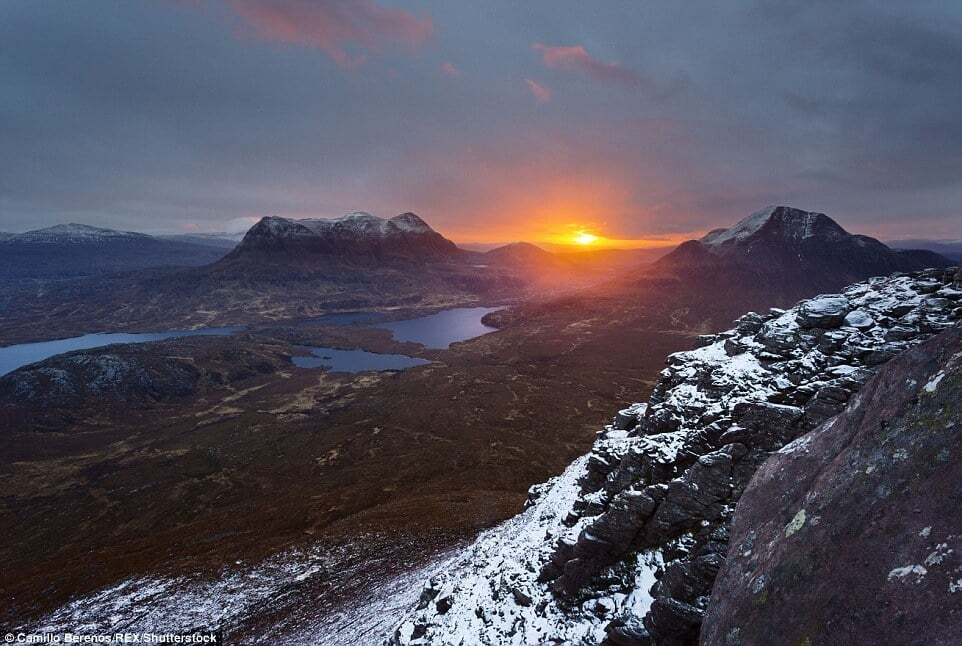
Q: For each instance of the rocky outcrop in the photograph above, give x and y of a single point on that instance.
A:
(850, 534)
(632, 556)
(720, 410)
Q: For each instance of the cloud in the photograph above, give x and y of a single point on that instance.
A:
(335, 27)
(164, 117)
(541, 93)
(448, 69)
(576, 58)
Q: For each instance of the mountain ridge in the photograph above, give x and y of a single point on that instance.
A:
(76, 250)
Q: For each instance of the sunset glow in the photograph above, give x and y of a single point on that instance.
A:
(584, 238)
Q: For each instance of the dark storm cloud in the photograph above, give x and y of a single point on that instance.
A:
(650, 119)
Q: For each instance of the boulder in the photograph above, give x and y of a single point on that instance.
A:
(824, 311)
(627, 631)
(673, 622)
(859, 319)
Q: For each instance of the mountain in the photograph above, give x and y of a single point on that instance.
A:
(806, 251)
(951, 249)
(72, 250)
(357, 236)
(625, 545)
(522, 254)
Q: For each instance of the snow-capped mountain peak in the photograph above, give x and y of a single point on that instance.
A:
(411, 223)
(357, 233)
(780, 222)
(742, 229)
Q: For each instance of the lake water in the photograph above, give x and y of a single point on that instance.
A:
(15, 356)
(433, 331)
(355, 360)
(442, 329)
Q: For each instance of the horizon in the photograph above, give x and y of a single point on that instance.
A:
(493, 123)
(558, 243)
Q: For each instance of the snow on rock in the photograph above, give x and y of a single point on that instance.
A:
(859, 320)
(293, 583)
(362, 223)
(491, 594)
(182, 603)
(628, 541)
(824, 311)
(357, 234)
(743, 229)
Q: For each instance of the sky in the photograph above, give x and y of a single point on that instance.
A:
(495, 121)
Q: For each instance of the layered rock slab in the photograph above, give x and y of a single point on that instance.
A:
(852, 534)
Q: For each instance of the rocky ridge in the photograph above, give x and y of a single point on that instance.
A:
(629, 555)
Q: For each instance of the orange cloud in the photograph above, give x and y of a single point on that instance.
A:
(448, 69)
(541, 93)
(334, 26)
(576, 58)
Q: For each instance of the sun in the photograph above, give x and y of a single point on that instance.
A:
(584, 238)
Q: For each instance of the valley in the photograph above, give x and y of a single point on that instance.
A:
(287, 457)
(423, 323)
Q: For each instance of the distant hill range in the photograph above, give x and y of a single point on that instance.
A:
(221, 240)
(287, 269)
(951, 249)
(72, 250)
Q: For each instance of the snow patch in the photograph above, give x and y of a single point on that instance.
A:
(933, 383)
(916, 572)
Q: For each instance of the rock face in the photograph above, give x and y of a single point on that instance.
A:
(631, 557)
(850, 534)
